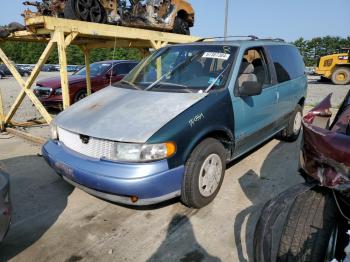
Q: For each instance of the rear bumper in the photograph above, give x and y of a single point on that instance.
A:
(150, 182)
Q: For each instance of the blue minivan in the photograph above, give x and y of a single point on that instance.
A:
(170, 126)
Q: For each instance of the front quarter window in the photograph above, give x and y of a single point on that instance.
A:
(191, 68)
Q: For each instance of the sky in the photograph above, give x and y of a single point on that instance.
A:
(287, 19)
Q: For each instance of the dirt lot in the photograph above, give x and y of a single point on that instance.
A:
(55, 222)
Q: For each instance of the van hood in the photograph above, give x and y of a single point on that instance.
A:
(125, 115)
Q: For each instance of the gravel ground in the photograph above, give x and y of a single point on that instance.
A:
(10, 89)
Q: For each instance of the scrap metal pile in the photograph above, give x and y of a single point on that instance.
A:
(165, 15)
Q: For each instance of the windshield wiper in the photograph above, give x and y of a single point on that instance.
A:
(216, 79)
(130, 84)
(184, 63)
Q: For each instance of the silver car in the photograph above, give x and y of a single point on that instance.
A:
(5, 204)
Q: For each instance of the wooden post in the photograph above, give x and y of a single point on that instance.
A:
(2, 115)
(87, 69)
(63, 68)
(27, 85)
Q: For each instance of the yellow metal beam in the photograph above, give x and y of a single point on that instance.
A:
(63, 67)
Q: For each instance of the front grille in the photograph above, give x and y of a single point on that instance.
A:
(95, 148)
(42, 92)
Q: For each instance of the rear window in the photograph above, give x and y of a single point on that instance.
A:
(287, 61)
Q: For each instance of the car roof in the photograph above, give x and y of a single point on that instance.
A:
(241, 43)
(116, 61)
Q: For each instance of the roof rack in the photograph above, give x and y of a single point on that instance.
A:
(252, 37)
(274, 39)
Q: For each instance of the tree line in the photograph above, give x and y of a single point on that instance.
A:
(28, 53)
(312, 49)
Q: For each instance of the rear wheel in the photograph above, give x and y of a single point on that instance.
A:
(292, 131)
(341, 76)
(204, 173)
(181, 26)
(85, 10)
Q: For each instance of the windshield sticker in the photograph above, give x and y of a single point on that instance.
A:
(215, 55)
(212, 80)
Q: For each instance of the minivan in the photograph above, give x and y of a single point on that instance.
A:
(170, 126)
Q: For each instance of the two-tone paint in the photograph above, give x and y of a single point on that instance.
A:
(240, 123)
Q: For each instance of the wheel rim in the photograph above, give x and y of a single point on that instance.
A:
(89, 10)
(80, 97)
(332, 244)
(210, 175)
(340, 77)
(297, 123)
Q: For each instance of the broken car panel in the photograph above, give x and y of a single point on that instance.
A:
(169, 127)
(326, 149)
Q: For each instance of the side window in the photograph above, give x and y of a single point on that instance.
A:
(287, 61)
(254, 66)
(121, 69)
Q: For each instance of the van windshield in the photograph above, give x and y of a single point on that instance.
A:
(191, 68)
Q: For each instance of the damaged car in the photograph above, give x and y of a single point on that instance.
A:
(164, 15)
(170, 126)
(310, 221)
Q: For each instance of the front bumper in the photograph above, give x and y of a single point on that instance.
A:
(150, 182)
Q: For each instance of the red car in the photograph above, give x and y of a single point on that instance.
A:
(49, 90)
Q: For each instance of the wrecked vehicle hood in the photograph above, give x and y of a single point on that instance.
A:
(326, 148)
(125, 115)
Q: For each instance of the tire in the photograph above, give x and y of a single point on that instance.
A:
(309, 227)
(292, 131)
(195, 191)
(341, 76)
(81, 94)
(71, 11)
(181, 26)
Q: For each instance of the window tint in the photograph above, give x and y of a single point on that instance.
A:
(288, 62)
(121, 69)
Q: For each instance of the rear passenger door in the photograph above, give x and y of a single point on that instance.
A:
(255, 116)
(290, 77)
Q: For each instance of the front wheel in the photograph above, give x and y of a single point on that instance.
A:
(341, 76)
(80, 95)
(204, 173)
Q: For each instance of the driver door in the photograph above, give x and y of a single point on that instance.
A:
(255, 116)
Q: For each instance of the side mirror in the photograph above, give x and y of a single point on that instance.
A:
(250, 87)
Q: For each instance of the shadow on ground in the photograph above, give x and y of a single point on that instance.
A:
(184, 240)
(38, 198)
(275, 177)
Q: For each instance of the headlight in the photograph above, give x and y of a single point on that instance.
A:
(58, 91)
(142, 153)
(54, 131)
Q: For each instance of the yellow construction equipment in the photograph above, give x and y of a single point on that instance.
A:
(335, 67)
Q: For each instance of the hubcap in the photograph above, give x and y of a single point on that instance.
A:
(210, 175)
(297, 123)
(340, 77)
(89, 10)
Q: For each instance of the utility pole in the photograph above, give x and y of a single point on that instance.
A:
(226, 19)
